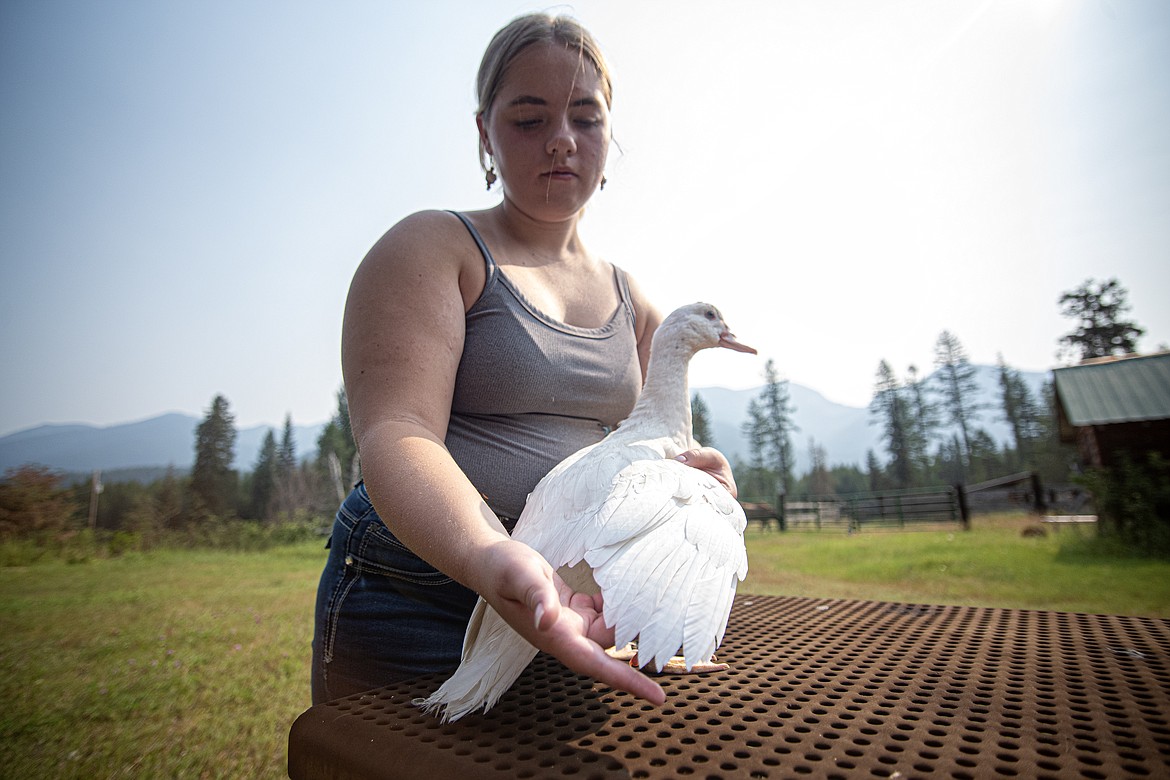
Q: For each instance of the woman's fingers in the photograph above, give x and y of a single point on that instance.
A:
(570, 626)
(713, 462)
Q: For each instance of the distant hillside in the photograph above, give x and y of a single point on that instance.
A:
(844, 431)
(159, 442)
(169, 440)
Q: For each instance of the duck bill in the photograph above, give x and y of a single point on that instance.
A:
(727, 340)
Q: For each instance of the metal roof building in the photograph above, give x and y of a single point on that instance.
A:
(1115, 405)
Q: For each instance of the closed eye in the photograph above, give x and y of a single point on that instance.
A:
(588, 120)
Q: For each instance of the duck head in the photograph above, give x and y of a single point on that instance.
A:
(701, 326)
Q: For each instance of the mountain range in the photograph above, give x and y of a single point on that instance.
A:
(146, 446)
(845, 432)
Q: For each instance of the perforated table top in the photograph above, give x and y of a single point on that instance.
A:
(817, 688)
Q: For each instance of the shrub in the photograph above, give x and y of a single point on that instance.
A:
(1133, 502)
(34, 504)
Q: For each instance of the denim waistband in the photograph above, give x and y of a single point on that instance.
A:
(357, 506)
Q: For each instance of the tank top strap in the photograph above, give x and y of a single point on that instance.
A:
(624, 292)
(488, 260)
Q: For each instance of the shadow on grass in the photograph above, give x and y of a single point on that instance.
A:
(1103, 550)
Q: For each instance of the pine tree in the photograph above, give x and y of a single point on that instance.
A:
(776, 410)
(873, 470)
(753, 431)
(701, 421)
(288, 478)
(264, 478)
(287, 454)
(760, 481)
(820, 479)
(212, 480)
(1020, 412)
(1100, 331)
(958, 388)
(890, 408)
(922, 424)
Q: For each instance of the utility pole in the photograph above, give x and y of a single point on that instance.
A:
(95, 491)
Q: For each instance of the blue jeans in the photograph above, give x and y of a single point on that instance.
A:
(383, 614)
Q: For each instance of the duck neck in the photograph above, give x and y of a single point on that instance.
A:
(665, 402)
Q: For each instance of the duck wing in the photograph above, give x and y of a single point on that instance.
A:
(563, 515)
(664, 541)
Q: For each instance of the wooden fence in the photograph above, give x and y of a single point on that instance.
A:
(917, 508)
(889, 509)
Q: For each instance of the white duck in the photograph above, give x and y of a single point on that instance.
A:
(661, 540)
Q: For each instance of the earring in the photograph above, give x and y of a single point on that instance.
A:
(490, 177)
(603, 181)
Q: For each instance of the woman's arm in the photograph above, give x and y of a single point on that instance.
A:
(401, 344)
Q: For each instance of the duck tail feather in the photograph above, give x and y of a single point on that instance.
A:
(492, 661)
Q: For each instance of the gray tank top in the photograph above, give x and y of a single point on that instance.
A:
(531, 391)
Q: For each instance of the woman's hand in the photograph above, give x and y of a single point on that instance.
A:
(523, 588)
(713, 462)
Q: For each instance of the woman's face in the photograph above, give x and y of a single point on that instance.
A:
(548, 131)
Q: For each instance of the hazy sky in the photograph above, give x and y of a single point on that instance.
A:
(186, 188)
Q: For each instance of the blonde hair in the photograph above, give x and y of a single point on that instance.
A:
(518, 34)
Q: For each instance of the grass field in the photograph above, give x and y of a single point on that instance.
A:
(992, 565)
(195, 663)
(173, 664)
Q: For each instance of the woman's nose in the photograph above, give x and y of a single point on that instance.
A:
(561, 142)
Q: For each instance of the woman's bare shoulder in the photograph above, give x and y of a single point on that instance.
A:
(647, 314)
(428, 253)
(431, 234)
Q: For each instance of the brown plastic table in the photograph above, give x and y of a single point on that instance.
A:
(817, 688)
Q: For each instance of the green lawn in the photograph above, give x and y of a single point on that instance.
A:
(171, 664)
(195, 663)
(992, 565)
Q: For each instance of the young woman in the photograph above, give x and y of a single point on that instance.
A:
(478, 351)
